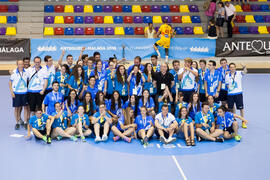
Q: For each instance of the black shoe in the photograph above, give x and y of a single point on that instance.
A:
(219, 139)
(25, 125)
(17, 126)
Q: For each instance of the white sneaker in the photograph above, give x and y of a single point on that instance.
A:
(97, 139)
(104, 138)
(171, 140)
(163, 140)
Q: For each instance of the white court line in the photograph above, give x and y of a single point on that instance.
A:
(179, 168)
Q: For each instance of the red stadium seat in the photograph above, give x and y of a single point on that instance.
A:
(240, 19)
(69, 20)
(246, 8)
(236, 30)
(174, 8)
(139, 31)
(268, 28)
(98, 19)
(128, 19)
(58, 31)
(176, 19)
(146, 8)
(13, 0)
(3, 8)
(89, 31)
(117, 8)
(59, 8)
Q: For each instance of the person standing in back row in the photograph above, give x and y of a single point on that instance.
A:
(231, 14)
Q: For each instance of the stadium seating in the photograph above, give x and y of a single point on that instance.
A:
(12, 19)
(267, 18)
(193, 8)
(236, 30)
(3, 8)
(188, 30)
(119, 31)
(118, 19)
(253, 30)
(78, 20)
(179, 30)
(139, 31)
(2, 31)
(69, 20)
(147, 19)
(246, 7)
(117, 8)
(186, 19)
(59, 8)
(13, 8)
(128, 19)
(195, 19)
(165, 8)
(126, 8)
(108, 20)
(243, 30)
(3, 19)
(155, 8)
(88, 9)
(249, 19)
(69, 31)
(78, 8)
(48, 19)
(168, 18)
(48, 31)
(58, 31)
(146, 8)
(238, 8)
(88, 20)
(136, 9)
(240, 19)
(184, 9)
(198, 30)
(157, 19)
(98, 20)
(69, 9)
(98, 9)
(108, 9)
(109, 31)
(258, 19)
(255, 7)
(89, 31)
(99, 31)
(129, 31)
(263, 30)
(48, 9)
(174, 8)
(79, 31)
(176, 19)
(58, 20)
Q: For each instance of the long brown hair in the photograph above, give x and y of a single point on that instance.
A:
(98, 61)
(76, 74)
(119, 76)
(128, 119)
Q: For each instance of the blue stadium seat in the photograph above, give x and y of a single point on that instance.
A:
(264, 7)
(147, 19)
(69, 31)
(48, 9)
(78, 20)
(258, 19)
(243, 30)
(129, 30)
(118, 19)
(126, 8)
(165, 8)
(98, 8)
(12, 19)
(179, 30)
(195, 19)
(99, 31)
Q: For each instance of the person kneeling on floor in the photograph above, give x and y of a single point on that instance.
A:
(165, 125)
(41, 126)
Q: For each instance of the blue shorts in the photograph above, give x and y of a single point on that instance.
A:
(19, 100)
(237, 100)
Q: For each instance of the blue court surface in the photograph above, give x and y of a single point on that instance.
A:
(248, 159)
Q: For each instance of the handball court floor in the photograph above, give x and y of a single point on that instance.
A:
(248, 159)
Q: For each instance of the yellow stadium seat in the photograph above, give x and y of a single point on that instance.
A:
(198, 30)
(136, 9)
(263, 30)
(119, 31)
(108, 20)
(69, 9)
(3, 19)
(58, 20)
(238, 8)
(184, 8)
(262, 0)
(250, 19)
(186, 19)
(226, 0)
(157, 19)
(11, 31)
(88, 9)
(48, 31)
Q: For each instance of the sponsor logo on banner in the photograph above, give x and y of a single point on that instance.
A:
(180, 48)
(14, 49)
(243, 47)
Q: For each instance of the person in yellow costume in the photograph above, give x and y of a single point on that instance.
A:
(165, 33)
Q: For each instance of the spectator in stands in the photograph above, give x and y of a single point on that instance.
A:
(210, 12)
(149, 31)
(18, 90)
(220, 15)
(212, 30)
(230, 16)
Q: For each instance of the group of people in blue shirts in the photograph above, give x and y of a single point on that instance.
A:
(93, 97)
